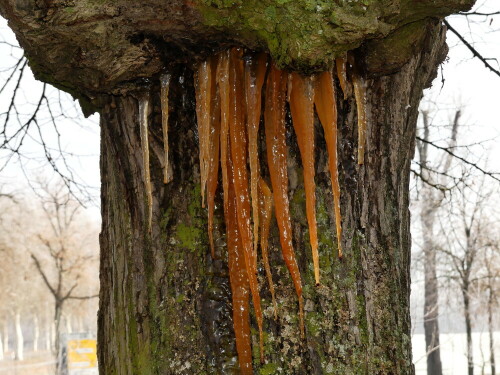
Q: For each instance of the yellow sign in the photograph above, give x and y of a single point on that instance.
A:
(82, 354)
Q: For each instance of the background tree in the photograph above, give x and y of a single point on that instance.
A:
(432, 192)
(14, 275)
(465, 230)
(490, 287)
(65, 252)
(24, 296)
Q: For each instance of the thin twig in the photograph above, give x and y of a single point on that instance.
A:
(478, 14)
(472, 49)
(475, 166)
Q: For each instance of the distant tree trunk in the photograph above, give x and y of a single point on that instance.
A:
(1, 348)
(36, 332)
(48, 334)
(80, 324)
(431, 314)
(53, 336)
(165, 305)
(69, 328)
(19, 337)
(491, 328)
(58, 333)
(57, 326)
(431, 303)
(5, 335)
(430, 203)
(468, 328)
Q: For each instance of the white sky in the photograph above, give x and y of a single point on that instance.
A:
(79, 137)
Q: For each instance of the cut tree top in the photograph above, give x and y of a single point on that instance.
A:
(91, 47)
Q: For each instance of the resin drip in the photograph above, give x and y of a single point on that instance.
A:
(276, 158)
(239, 283)
(302, 107)
(238, 142)
(213, 170)
(165, 84)
(326, 107)
(342, 74)
(266, 212)
(223, 84)
(255, 71)
(203, 88)
(228, 104)
(143, 125)
(361, 100)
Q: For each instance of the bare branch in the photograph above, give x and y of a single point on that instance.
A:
(438, 186)
(472, 49)
(493, 175)
(44, 277)
(83, 297)
(478, 14)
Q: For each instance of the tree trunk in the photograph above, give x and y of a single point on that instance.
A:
(48, 330)
(491, 302)
(430, 203)
(431, 307)
(57, 335)
(165, 305)
(80, 324)
(468, 329)
(431, 323)
(57, 327)
(1, 348)
(19, 337)
(5, 336)
(53, 335)
(69, 328)
(36, 332)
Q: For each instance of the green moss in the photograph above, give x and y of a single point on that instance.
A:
(308, 34)
(189, 237)
(313, 324)
(268, 369)
(302, 33)
(191, 231)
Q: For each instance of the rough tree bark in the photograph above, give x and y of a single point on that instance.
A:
(165, 305)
